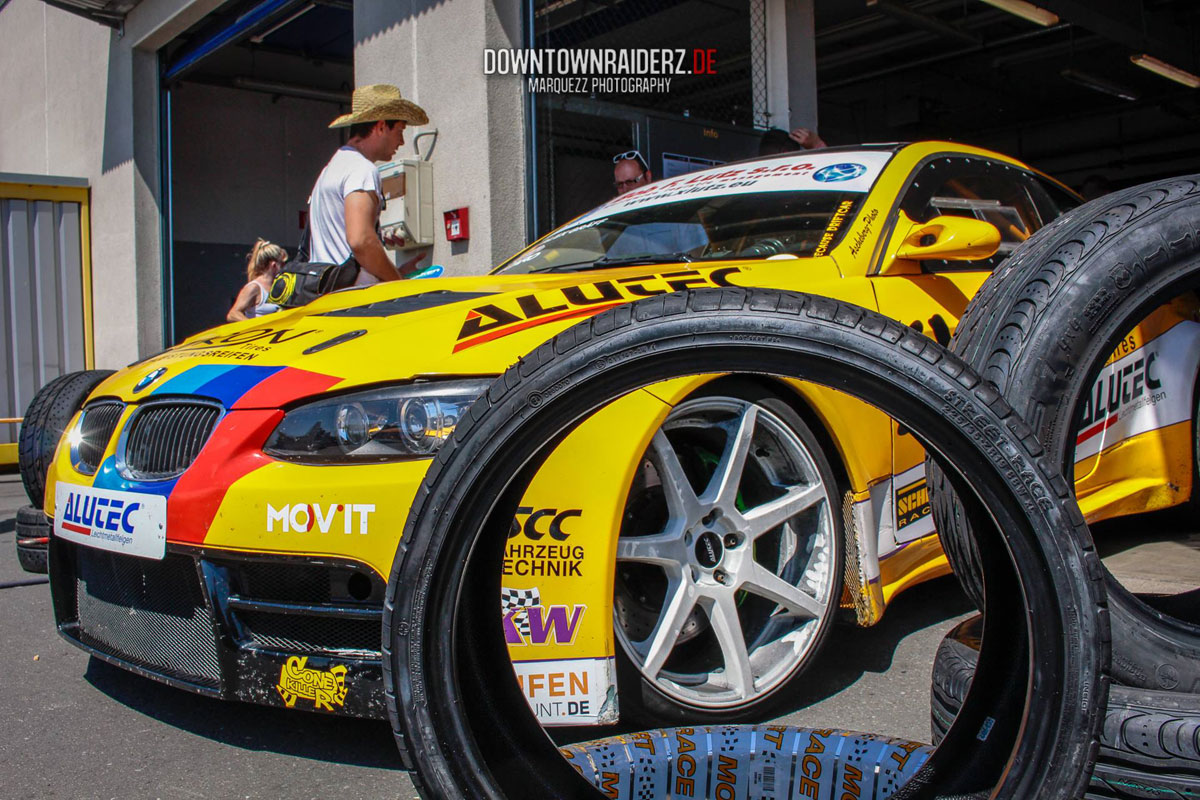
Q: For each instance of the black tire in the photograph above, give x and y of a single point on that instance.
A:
(729, 760)
(47, 417)
(1025, 731)
(1041, 327)
(644, 702)
(1149, 745)
(33, 530)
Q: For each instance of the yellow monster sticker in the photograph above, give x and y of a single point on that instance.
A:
(326, 688)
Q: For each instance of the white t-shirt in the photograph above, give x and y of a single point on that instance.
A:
(348, 171)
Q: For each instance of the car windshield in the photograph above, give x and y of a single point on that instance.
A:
(752, 225)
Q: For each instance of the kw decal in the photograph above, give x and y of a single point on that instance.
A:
(527, 621)
(325, 688)
(303, 517)
(490, 321)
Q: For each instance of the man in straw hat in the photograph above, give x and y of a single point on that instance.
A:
(345, 202)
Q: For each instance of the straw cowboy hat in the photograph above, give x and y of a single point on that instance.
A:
(380, 101)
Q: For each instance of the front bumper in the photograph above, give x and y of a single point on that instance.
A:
(275, 630)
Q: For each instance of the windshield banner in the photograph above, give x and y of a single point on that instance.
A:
(814, 172)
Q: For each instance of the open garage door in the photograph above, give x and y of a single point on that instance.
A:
(248, 97)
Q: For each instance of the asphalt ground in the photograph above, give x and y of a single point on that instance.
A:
(75, 727)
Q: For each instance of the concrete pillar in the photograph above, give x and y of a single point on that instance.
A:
(434, 53)
(791, 64)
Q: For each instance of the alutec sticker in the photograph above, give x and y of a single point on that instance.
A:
(121, 522)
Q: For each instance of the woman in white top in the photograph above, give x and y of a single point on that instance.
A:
(262, 266)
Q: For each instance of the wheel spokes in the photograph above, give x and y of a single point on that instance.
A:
(772, 514)
(723, 615)
(681, 498)
(682, 599)
(661, 549)
(761, 581)
(723, 486)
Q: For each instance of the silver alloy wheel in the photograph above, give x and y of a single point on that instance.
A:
(722, 597)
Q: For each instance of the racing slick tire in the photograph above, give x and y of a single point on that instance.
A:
(1149, 745)
(1030, 722)
(787, 457)
(33, 533)
(1038, 330)
(47, 417)
(748, 761)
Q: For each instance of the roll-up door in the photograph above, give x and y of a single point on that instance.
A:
(45, 294)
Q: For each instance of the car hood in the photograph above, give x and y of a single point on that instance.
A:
(404, 330)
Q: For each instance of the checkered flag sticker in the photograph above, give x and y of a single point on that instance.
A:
(515, 601)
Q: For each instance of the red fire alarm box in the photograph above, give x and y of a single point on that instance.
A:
(457, 224)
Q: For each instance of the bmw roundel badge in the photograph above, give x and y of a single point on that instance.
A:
(839, 172)
(149, 379)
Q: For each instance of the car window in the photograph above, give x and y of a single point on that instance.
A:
(743, 226)
(986, 190)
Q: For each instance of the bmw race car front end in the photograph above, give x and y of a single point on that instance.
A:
(228, 528)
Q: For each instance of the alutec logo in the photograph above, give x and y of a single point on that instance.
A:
(84, 514)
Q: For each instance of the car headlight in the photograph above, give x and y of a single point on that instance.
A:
(387, 424)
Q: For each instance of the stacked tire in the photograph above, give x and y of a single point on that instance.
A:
(1029, 725)
(1038, 332)
(1149, 744)
(45, 420)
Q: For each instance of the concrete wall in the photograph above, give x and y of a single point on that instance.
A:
(433, 50)
(81, 100)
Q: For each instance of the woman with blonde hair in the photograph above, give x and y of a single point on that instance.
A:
(262, 265)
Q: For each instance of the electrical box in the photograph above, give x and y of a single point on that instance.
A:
(407, 215)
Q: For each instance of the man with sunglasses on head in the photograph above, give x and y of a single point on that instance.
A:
(630, 172)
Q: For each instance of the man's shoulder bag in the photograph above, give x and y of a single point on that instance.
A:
(302, 281)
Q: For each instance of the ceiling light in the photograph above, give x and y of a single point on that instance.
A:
(1098, 84)
(1166, 70)
(1027, 11)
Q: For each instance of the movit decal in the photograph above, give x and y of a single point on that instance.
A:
(570, 692)
(1147, 388)
(527, 622)
(323, 518)
(325, 688)
(121, 522)
(490, 321)
(914, 517)
(537, 544)
(788, 174)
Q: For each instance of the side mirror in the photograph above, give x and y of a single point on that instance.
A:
(944, 237)
(954, 238)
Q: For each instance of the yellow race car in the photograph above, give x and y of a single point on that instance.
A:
(225, 512)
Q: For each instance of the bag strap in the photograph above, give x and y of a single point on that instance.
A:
(302, 249)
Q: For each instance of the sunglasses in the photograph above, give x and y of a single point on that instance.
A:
(631, 154)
